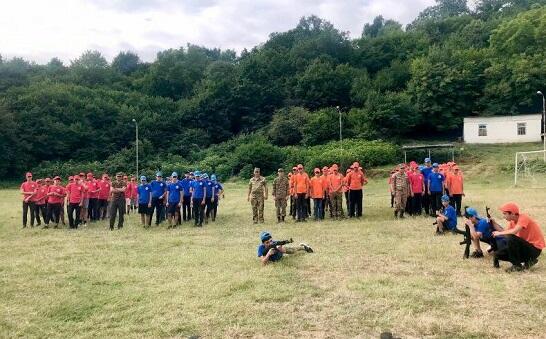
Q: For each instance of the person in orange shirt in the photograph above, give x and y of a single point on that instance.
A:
(454, 183)
(291, 178)
(524, 238)
(301, 193)
(355, 181)
(326, 203)
(346, 191)
(317, 194)
(335, 189)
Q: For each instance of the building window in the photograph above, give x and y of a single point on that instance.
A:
(522, 128)
(482, 130)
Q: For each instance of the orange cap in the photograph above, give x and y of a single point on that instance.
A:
(510, 207)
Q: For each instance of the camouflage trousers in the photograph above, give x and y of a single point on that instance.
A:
(280, 205)
(400, 199)
(257, 203)
(337, 204)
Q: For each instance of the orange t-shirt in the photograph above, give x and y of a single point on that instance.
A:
(455, 184)
(317, 188)
(325, 182)
(355, 180)
(530, 231)
(301, 183)
(335, 182)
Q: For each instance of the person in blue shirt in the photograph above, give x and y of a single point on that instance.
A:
(481, 230)
(198, 195)
(425, 171)
(159, 188)
(435, 189)
(447, 219)
(268, 251)
(186, 200)
(173, 198)
(208, 199)
(218, 191)
(144, 201)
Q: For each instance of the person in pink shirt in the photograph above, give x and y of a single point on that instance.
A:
(28, 190)
(40, 201)
(75, 195)
(103, 196)
(93, 195)
(131, 195)
(417, 182)
(55, 200)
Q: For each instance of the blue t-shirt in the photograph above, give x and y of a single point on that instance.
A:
(210, 185)
(198, 187)
(451, 215)
(217, 188)
(426, 172)
(484, 227)
(158, 188)
(186, 184)
(436, 181)
(262, 251)
(174, 192)
(144, 192)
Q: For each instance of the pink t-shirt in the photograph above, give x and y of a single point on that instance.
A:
(416, 181)
(76, 192)
(28, 187)
(104, 186)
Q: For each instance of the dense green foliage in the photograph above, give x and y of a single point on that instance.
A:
(274, 103)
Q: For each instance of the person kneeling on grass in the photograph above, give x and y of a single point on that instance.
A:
(270, 251)
(524, 238)
(447, 218)
(481, 230)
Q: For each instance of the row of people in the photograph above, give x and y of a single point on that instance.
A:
(89, 199)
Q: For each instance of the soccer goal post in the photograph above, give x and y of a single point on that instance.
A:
(530, 168)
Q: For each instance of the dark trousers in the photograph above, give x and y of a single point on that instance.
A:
(426, 202)
(53, 213)
(301, 207)
(456, 201)
(26, 207)
(318, 205)
(40, 209)
(435, 202)
(102, 208)
(308, 202)
(93, 209)
(293, 207)
(409, 201)
(517, 251)
(157, 206)
(348, 203)
(198, 212)
(392, 200)
(214, 204)
(355, 197)
(74, 221)
(186, 208)
(208, 208)
(117, 206)
(416, 208)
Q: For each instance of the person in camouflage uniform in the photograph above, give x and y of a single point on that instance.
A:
(117, 204)
(281, 189)
(401, 189)
(257, 193)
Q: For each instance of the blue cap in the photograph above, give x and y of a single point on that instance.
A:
(213, 177)
(205, 175)
(174, 174)
(264, 236)
(427, 159)
(445, 197)
(435, 164)
(470, 212)
(143, 178)
(159, 174)
(197, 173)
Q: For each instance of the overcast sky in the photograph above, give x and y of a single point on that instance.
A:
(39, 30)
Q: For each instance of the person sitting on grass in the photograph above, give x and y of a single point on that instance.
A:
(269, 251)
(480, 230)
(524, 238)
(447, 218)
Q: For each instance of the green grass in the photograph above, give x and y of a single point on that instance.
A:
(367, 276)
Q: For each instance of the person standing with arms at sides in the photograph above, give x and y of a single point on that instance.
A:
(456, 189)
(144, 201)
(75, 193)
(401, 188)
(209, 186)
(301, 191)
(131, 194)
(435, 189)
(426, 171)
(281, 192)
(317, 194)
(417, 182)
(85, 200)
(28, 190)
(326, 204)
(173, 199)
(158, 193)
(218, 191)
(117, 204)
(93, 190)
(39, 200)
(291, 178)
(55, 198)
(355, 181)
(104, 193)
(186, 199)
(257, 194)
(198, 195)
(335, 187)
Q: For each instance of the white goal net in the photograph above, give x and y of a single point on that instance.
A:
(530, 169)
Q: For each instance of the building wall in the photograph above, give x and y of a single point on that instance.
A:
(502, 129)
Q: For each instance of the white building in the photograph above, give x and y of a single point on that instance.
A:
(503, 129)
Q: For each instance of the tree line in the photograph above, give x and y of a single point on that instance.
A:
(392, 82)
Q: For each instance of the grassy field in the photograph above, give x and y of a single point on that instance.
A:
(367, 276)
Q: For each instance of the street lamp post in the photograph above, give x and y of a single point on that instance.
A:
(136, 143)
(543, 122)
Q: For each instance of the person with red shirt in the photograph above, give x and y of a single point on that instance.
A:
(28, 190)
(55, 199)
(316, 188)
(40, 201)
(355, 181)
(75, 195)
(103, 196)
(417, 183)
(93, 190)
(301, 193)
(524, 238)
(131, 194)
(335, 189)
(455, 187)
